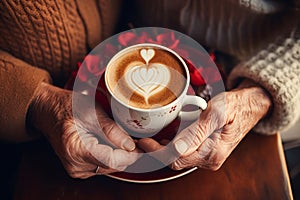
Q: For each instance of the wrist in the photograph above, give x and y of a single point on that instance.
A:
(36, 111)
(257, 94)
(247, 83)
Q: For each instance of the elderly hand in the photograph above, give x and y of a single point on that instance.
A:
(210, 140)
(83, 149)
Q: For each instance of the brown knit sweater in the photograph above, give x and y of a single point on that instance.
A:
(54, 35)
(43, 36)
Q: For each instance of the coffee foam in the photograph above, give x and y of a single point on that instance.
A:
(146, 77)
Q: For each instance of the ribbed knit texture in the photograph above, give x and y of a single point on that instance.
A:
(47, 34)
(18, 85)
(277, 69)
(51, 35)
(239, 28)
(242, 29)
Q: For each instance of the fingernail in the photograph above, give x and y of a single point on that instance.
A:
(181, 146)
(129, 145)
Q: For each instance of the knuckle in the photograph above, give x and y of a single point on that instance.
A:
(79, 175)
(184, 162)
(85, 175)
(108, 129)
(215, 166)
(71, 169)
(110, 161)
(195, 135)
(176, 166)
(73, 175)
(214, 162)
(72, 172)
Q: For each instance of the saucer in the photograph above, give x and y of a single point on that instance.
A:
(162, 175)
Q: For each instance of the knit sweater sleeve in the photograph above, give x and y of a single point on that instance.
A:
(18, 82)
(277, 69)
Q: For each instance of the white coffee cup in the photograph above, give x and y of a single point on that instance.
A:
(141, 122)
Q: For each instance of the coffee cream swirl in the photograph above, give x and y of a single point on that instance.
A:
(148, 79)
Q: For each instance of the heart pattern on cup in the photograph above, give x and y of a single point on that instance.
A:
(148, 79)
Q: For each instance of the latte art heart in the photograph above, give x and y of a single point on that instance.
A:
(148, 80)
(145, 76)
(147, 54)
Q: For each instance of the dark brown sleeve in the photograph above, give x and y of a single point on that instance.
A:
(18, 82)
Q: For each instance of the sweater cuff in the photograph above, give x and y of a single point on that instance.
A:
(18, 83)
(277, 70)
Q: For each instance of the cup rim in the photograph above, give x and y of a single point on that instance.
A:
(183, 93)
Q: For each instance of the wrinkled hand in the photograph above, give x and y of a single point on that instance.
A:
(78, 142)
(210, 140)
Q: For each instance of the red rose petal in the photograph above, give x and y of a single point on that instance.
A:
(125, 38)
(196, 78)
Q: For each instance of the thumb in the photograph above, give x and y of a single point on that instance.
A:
(116, 135)
(189, 140)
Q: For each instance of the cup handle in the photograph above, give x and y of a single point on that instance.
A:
(192, 100)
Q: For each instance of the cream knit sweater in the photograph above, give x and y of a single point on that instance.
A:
(263, 35)
(277, 69)
(39, 39)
